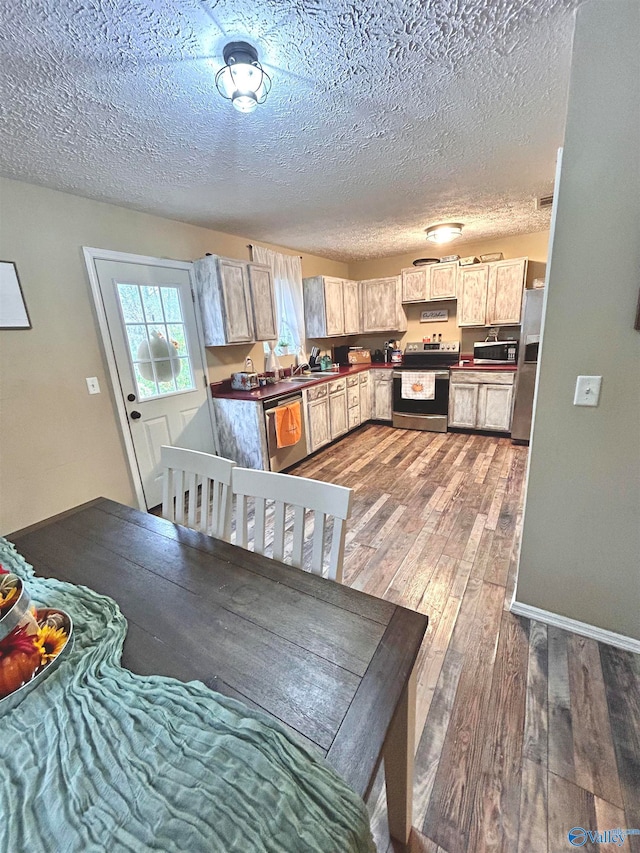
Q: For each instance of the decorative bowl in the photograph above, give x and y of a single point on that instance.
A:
(57, 618)
(15, 614)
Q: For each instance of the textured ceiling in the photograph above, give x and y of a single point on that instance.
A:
(384, 117)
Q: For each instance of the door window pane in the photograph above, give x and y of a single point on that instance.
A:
(171, 303)
(159, 352)
(152, 305)
(129, 295)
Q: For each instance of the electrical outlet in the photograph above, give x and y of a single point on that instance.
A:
(93, 385)
(587, 391)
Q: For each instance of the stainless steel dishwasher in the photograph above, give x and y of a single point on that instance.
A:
(283, 457)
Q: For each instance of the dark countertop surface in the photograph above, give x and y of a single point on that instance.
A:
(269, 392)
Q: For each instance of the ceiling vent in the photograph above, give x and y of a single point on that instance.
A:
(544, 202)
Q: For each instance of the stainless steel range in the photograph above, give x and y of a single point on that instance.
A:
(421, 386)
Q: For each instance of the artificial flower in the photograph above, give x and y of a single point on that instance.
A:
(50, 642)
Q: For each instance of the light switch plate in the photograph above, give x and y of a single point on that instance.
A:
(587, 391)
(93, 385)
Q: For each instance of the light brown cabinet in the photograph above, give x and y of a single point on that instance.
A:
(265, 324)
(491, 294)
(318, 423)
(331, 306)
(430, 282)
(505, 291)
(415, 285)
(443, 281)
(381, 305)
(473, 284)
(365, 397)
(381, 394)
(232, 311)
(481, 399)
(338, 408)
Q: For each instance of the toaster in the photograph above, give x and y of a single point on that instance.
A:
(244, 381)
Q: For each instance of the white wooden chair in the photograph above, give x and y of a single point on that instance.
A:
(208, 508)
(302, 495)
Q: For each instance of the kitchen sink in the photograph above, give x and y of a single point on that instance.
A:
(320, 374)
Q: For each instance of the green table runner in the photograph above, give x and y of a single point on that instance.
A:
(99, 759)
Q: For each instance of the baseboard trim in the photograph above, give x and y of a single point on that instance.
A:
(621, 641)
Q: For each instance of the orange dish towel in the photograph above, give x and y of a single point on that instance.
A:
(288, 425)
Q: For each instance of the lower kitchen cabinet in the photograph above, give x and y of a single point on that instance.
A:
(353, 401)
(338, 408)
(480, 400)
(365, 397)
(381, 394)
(318, 423)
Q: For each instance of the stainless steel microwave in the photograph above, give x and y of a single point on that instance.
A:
(495, 352)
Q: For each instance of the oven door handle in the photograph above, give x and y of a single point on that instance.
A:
(439, 374)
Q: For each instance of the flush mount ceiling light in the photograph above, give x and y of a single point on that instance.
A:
(242, 80)
(444, 233)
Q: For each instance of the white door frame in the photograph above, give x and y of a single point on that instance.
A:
(92, 255)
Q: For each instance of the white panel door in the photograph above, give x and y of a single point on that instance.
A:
(161, 375)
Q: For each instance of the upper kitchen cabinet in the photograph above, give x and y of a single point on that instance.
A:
(473, 285)
(381, 304)
(443, 281)
(331, 307)
(263, 306)
(228, 305)
(351, 303)
(415, 284)
(506, 287)
(430, 282)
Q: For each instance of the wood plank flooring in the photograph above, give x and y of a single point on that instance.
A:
(524, 731)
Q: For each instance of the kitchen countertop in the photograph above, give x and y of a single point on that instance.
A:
(268, 392)
(279, 389)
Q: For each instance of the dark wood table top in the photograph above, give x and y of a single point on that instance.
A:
(327, 661)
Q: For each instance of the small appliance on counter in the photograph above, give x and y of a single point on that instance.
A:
(244, 381)
(351, 355)
(495, 352)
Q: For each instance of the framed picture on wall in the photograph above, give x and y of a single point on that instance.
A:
(13, 311)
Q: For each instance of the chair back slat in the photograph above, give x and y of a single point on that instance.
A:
(298, 536)
(279, 491)
(317, 555)
(259, 524)
(242, 537)
(202, 481)
(278, 530)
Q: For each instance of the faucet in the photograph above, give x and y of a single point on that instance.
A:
(299, 368)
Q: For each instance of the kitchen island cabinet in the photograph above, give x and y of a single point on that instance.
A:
(481, 400)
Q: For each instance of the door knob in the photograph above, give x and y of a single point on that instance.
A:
(135, 416)
(131, 397)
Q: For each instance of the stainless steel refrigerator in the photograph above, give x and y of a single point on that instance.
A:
(527, 364)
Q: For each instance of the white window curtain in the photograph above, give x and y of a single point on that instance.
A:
(287, 279)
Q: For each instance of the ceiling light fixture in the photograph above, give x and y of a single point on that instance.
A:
(242, 80)
(444, 233)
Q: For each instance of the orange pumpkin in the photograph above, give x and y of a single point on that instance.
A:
(19, 659)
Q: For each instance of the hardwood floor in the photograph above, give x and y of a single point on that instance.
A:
(524, 731)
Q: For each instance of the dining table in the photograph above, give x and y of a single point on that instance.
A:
(332, 664)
